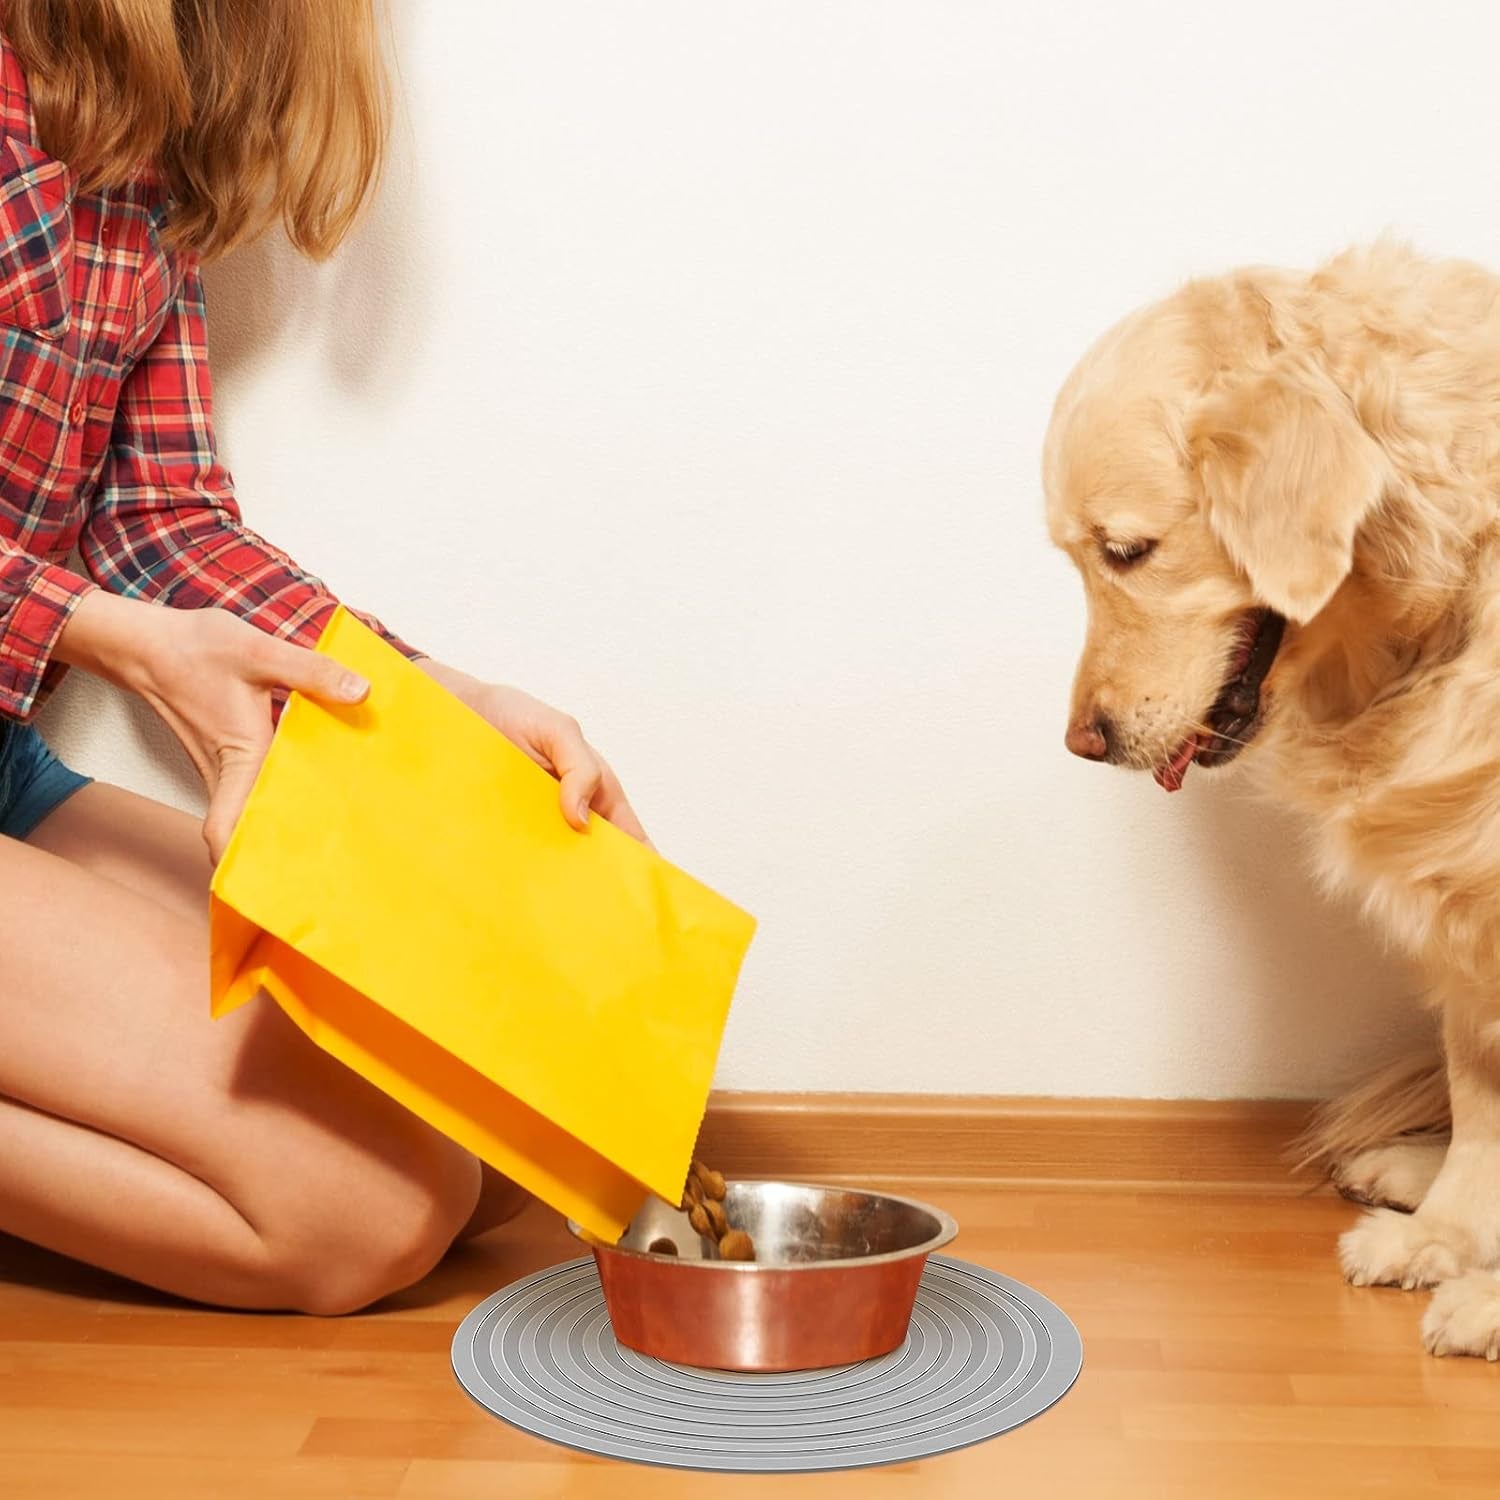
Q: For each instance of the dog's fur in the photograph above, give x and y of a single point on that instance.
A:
(1327, 446)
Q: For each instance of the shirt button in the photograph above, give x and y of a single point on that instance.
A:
(79, 412)
(106, 233)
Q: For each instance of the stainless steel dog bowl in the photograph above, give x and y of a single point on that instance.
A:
(834, 1280)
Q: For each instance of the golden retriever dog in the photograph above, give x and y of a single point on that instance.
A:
(1282, 490)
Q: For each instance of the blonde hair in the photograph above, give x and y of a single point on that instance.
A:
(254, 111)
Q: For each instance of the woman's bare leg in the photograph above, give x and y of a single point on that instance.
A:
(159, 852)
(500, 1200)
(146, 846)
(230, 1161)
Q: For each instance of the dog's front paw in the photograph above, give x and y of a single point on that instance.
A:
(1464, 1317)
(1394, 1249)
(1396, 1175)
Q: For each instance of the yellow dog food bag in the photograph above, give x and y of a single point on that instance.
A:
(402, 883)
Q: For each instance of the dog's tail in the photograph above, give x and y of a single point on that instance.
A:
(1407, 1097)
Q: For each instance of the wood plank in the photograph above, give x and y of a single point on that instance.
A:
(1203, 1144)
(171, 1477)
(1363, 1427)
(66, 1431)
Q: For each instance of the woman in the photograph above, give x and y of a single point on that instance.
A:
(228, 1161)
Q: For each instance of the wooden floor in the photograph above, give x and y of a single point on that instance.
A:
(1223, 1358)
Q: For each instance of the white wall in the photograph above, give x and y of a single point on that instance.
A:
(693, 373)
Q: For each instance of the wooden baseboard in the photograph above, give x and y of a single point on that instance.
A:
(1157, 1144)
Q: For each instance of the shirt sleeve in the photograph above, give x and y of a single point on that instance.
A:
(36, 599)
(165, 524)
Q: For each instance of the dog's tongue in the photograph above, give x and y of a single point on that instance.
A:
(1171, 774)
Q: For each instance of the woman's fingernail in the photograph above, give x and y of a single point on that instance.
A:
(353, 686)
(583, 814)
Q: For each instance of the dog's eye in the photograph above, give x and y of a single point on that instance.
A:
(1127, 554)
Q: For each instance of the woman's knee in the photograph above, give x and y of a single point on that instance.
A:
(346, 1255)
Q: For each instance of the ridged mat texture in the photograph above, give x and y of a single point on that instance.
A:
(984, 1354)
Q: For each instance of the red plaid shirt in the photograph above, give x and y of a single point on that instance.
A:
(106, 429)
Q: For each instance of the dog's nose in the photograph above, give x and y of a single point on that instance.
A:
(1089, 737)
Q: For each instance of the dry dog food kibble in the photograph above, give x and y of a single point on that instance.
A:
(703, 1202)
(716, 1217)
(736, 1245)
(712, 1182)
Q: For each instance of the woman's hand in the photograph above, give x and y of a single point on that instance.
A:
(554, 741)
(210, 676)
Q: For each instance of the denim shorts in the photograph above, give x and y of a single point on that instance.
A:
(33, 781)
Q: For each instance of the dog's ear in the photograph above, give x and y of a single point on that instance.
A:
(1288, 474)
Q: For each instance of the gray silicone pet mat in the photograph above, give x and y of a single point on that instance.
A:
(984, 1354)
